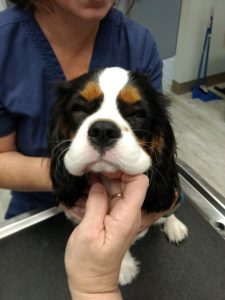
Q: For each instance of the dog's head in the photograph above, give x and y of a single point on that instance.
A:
(109, 120)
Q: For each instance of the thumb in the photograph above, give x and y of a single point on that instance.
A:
(96, 206)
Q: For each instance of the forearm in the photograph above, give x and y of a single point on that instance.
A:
(116, 295)
(23, 173)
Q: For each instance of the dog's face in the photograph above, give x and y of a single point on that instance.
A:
(105, 121)
(110, 117)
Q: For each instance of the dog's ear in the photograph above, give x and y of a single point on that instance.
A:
(163, 174)
(66, 188)
(58, 127)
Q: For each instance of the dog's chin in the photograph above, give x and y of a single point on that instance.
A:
(106, 167)
(103, 167)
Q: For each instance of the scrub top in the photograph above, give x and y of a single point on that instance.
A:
(29, 68)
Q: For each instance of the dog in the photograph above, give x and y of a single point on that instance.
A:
(107, 120)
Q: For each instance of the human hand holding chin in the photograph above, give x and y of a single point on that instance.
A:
(97, 245)
(77, 212)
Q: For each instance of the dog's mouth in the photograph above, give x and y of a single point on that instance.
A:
(131, 160)
(103, 165)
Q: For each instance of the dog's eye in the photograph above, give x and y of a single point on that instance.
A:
(139, 114)
(78, 108)
(135, 114)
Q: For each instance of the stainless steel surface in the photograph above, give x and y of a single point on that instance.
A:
(196, 180)
(206, 201)
(26, 220)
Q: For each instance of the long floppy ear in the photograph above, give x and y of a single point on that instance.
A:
(57, 129)
(163, 174)
(66, 188)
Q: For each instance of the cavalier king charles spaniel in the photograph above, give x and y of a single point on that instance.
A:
(112, 120)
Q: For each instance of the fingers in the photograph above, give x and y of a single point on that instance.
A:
(135, 189)
(115, 187)
(114, 175)
(128, 207)
(96, 207)
(128, 184)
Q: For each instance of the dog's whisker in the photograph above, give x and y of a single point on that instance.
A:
(153, 151)
(150, 176)
(148, 143)
(60, 160)
(61, 154)
(137, 129)
(155, 169)
(59, 144)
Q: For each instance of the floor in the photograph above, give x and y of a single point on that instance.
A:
(200, 130)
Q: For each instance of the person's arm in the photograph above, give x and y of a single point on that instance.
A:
(20, 172)
(115, 295)
(97, 246)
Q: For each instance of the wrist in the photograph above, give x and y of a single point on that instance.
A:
(114, 295)
(93, 285)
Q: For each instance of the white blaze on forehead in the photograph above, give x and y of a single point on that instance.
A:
(112, 80)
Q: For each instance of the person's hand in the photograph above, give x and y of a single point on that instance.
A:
(147, 219)
(97, 245)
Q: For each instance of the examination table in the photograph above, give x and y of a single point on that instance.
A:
(32, 260)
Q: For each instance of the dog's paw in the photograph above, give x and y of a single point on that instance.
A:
(175, 230)
(129, 269)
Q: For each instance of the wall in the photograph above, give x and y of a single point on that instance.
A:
(2, 4)
(193, 23)
(162, 19)
(123, 6)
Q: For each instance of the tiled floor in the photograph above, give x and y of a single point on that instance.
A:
(200, 131)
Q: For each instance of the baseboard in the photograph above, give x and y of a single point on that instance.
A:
(185, 87)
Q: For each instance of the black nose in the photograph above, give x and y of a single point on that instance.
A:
(103, 133)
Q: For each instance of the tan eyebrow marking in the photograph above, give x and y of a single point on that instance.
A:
(130, 94)
(91, 91)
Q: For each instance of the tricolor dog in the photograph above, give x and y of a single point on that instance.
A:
(109, 120)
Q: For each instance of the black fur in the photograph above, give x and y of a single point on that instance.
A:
(149, 119)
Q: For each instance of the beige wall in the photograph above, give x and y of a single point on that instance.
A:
(193, 22)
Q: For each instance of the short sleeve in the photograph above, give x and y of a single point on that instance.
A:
(150, 61)
(7, 124)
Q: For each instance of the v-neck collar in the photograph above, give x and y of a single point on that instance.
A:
(51, 62)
